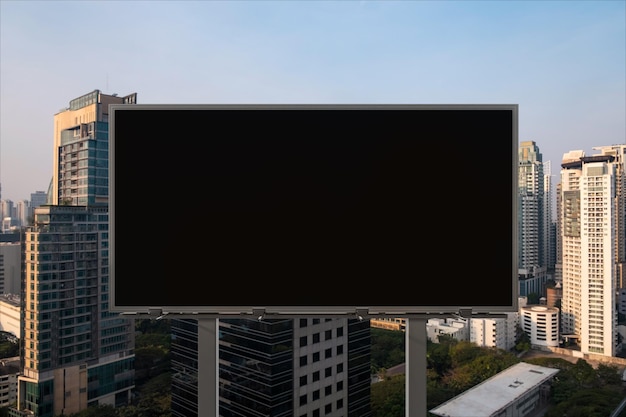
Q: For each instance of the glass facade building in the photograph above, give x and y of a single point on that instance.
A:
(279, 367)
(75, 352)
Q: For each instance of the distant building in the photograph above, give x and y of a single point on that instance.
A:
(10, 267)
(534, 219)
(10, 314)
(38, 198)
(518, 391)
(388, 323)
(22, 211)
(554, 294)
(7, 209)
(455, 328)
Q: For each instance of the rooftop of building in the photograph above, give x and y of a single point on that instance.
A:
(12, 299)
(496, 393)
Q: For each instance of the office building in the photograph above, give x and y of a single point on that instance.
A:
(76, 353)
(592, 245)
(279, 367)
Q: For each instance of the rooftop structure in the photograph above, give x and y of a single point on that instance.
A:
(520, 388)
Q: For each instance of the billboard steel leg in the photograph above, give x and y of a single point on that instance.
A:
(416, 367)
(208, 402)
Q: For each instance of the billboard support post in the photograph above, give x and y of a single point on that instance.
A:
(208, 401)
(416, 367)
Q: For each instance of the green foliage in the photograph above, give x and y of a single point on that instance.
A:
(96, 411)
(152, 349)
(464, 352)
(388, 397)
(388, 348)
(9, 349)
(596, 402)
(608, 375)
(453, 367)
(438, 358)
(533, 298)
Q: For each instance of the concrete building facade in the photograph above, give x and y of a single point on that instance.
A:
(592, 244)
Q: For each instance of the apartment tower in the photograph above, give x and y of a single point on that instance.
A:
(592, 246)
(76, 353)
(292, 367)
(533, 221)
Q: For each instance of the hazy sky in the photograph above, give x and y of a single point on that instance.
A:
(562, 62)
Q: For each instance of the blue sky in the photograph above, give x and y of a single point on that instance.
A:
(562, 62)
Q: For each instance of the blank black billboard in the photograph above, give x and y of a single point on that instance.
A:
(313, 209)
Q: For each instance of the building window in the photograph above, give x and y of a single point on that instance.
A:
(303, 380)
(303, 399)
(316, 376)
(316, 357)
(303, 360)
(303, 341)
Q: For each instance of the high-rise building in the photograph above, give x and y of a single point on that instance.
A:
(22, 211)
(278, 367)
(37, 199)
(76, 353)
(533, 221)
(592, 244)
(81, 141)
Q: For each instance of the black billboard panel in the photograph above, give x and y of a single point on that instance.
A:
(313, 209)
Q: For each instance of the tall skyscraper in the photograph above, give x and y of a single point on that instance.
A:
(81, 138)
(76, 353)
(592, 199)
(533, 221)
(278, 367)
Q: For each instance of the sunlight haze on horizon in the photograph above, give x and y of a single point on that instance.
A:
(562, 62)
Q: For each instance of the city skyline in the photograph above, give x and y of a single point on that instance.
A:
(563, 63)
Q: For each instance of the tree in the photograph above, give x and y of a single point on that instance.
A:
(388, 397)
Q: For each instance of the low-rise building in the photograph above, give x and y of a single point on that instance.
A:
(517, 391)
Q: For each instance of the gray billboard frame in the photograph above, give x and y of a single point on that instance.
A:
(268, 311)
